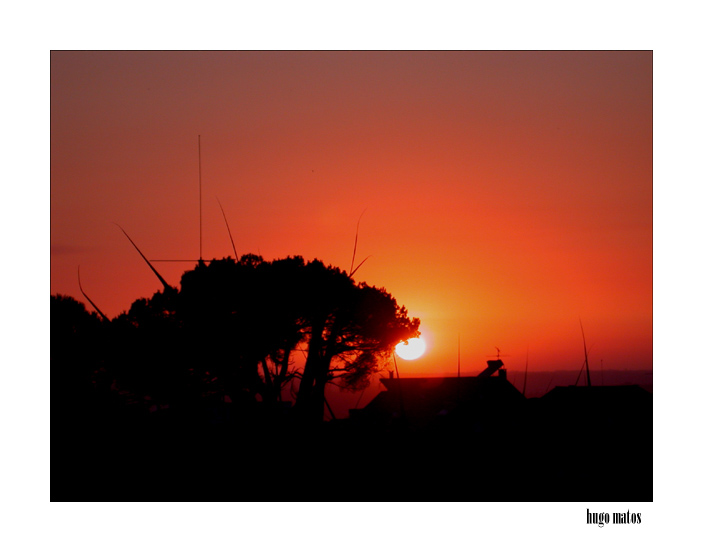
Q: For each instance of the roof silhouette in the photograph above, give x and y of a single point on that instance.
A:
(422, 400)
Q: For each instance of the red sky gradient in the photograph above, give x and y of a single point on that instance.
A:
(506, 195)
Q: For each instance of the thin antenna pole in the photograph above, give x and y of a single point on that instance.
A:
(236, 257)
(151, 266)
(182, 260)
(524, 383)
(580, 372)
(101, 313)
(200, 197)
(582, 367)
(356, 239)
(585, 352)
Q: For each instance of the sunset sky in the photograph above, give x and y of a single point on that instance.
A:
(506, 196)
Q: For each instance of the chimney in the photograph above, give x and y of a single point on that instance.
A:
(493, 365)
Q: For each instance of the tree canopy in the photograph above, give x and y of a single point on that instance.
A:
(235, 327)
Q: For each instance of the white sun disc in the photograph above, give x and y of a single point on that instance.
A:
(413, 349)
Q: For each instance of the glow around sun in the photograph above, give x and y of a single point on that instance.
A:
(415, 348)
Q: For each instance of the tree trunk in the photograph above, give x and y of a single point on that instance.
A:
(305, 403)
(280, 378)
(269, 393)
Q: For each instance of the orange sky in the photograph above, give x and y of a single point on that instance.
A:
(506, 195)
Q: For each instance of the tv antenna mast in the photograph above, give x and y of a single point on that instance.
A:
(200, 259)
(200, 199)
(585, 354)
(497, 356)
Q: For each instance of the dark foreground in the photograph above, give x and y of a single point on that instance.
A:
(536, 453)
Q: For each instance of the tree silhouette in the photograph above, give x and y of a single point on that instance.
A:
(233, 326)
(230, 333)
(238, 323)
(77, 356)
(149, 355)
(350, 330)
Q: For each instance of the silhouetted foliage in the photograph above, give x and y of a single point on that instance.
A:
(350, 330)
(181, 396)
(253, 314)
(229, 334)
(77, 355)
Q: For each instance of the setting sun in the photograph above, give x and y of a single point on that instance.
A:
(411, 350)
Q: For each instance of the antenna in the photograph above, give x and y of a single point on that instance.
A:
(352, 270)
(397, 375)
(356, 239)
(166, 286)
(497, 356)
(524, 384)
(236, 257)
(101, 313)
(582, 367)
(200, 259)
(585, 352)
(200, 198)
